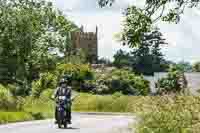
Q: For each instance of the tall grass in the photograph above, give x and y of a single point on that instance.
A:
(40, 108)
(7, 117)
(97, 103)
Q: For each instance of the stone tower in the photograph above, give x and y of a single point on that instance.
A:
(88, 42)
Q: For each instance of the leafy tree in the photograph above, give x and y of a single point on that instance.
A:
(147, 58)
(30, 33)
(184, 66)
(121, 59)
(135, 26)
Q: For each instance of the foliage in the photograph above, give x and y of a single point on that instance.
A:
(48, 93)
(123, 81)
(147, 58)
(196, 67)
(122, 59)
(7, 102)
(96, 103)
(170, 115)
(135, 25)
(174, 82)
(184, 66)
(29, 48)
(46, 81)
(39, 108)
(79, 72)
(9, 117)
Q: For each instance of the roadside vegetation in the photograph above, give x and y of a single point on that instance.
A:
(157, 114)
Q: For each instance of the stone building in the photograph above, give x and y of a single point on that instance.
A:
(88, 42)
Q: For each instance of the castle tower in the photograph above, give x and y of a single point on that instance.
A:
(88, 42)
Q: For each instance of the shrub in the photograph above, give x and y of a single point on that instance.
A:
(47, 94)
(173, 83)
(46, 81)
(6, 99)
(78, 72)
(123, 81)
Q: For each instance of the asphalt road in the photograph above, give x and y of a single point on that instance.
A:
(81, 123)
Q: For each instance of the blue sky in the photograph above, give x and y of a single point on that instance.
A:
(183, 38)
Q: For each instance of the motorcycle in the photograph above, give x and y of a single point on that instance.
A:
(63, 104)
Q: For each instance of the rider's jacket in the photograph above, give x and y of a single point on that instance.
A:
(63, 91)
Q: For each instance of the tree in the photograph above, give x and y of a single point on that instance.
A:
(104, 61)
(121, 59)
(147, 57)
(184, 66)
(30, 33)
(135, 26)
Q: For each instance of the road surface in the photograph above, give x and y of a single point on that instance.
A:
(81, 123)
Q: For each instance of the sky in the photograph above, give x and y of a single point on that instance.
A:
(183, 38)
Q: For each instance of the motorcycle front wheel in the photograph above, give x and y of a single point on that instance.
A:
(59, 124)
(66, 125)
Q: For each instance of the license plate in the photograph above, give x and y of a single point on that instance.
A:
(62, 98)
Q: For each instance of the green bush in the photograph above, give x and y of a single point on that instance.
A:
(47, 94)
(123, 81)
(46, 81)
(175, 82)
(6, 99)
(79, 72)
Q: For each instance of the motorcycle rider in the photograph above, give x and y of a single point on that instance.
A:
(64, 89)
